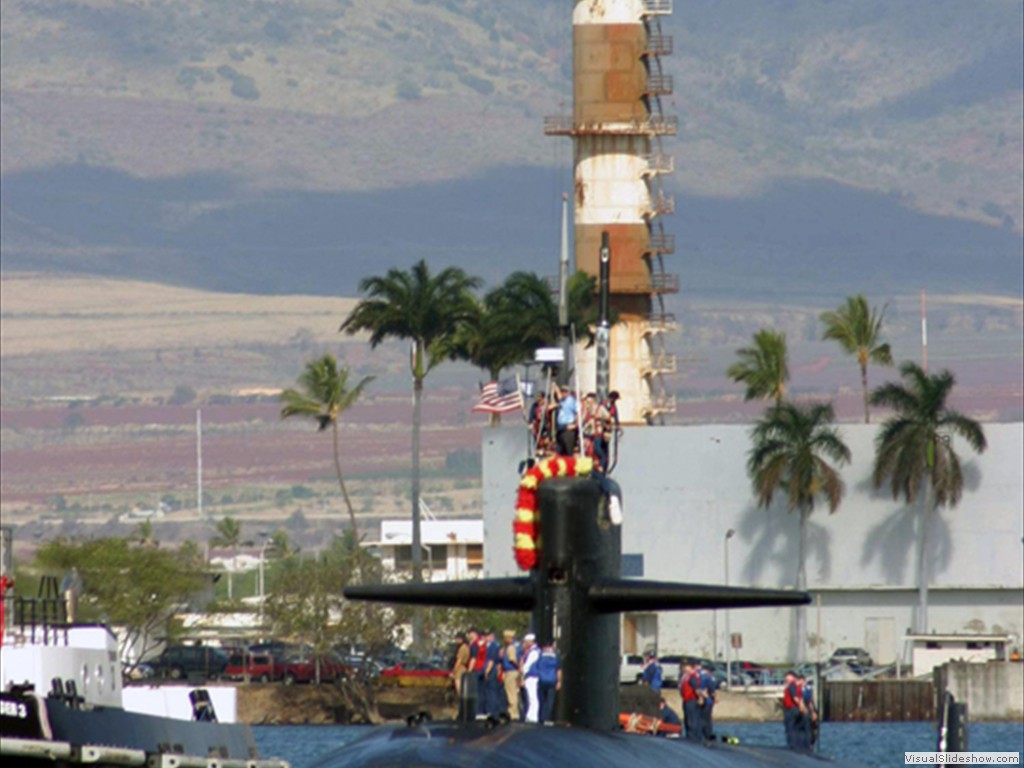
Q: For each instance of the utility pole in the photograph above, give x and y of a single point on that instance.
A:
(199, 462)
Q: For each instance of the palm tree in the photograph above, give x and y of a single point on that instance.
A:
(790, 446)
(764, 367)
(145, 535)
(323, 395)
(519, 316)
(914, 454)
(228, 536)
(426, 309)
(858, 328)
(515, 319)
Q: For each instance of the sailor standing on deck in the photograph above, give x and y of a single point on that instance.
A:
(652, 673)
(793, 708)
(531, 677)
(689, 691)
(549, 669)
(809, 719)
(709, 687)
(461, 663)
(477, 661)
(492, 688)
(510, 672)
(568, 411)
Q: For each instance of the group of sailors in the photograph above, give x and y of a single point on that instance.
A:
(557, 420)
(799, 715)
(698, 691)
(519, 680)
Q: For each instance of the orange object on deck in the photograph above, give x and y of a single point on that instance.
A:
(633, 722)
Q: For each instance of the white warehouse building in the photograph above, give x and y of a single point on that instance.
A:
(686, 488)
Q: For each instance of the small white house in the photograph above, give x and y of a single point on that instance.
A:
(930, 651)
(452, 549)
(240, 561)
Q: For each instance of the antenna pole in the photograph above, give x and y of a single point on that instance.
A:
(604, 330)
(563, 297)
(924, 333)
(199, 462)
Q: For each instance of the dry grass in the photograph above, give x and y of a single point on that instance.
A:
(47, 314)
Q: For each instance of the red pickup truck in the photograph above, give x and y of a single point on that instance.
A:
(301, 668)
(258, 667)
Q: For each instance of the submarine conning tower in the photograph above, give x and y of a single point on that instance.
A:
(576, 592)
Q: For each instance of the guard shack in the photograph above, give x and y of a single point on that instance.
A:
(930, 651)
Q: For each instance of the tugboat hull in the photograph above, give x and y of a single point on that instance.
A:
(38, 730)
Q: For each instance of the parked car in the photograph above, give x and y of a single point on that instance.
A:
(631, 669)
(741, 677)
(259, 667)
(275, 648)
(415, 669)
(301, 667)
(180, 661)
(853, 656)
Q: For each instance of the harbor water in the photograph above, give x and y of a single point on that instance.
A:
(869, 744)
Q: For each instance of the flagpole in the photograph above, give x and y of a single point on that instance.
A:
(579, 400)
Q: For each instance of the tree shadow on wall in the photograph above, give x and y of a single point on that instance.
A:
(773, 537)
(893, 540)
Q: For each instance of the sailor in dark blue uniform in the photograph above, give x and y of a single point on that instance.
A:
(668, 715)
(652, 674)
(809, 718)
(709, 686)
(549, 671)
(493, 704)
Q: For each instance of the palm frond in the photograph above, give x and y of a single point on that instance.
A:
(967, 428)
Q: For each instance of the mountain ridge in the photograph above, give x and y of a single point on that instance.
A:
(917, 99)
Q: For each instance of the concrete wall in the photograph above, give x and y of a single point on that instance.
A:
(685, 487)
(993, 691)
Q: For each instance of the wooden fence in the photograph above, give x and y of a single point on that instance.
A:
(884, 700)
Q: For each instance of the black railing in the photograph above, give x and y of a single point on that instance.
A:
(662, 242)
(659, 85)
(658, 45)
(39, 620)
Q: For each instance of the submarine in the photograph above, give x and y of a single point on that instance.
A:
(568, 539)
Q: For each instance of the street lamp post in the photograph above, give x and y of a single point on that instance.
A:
(728, 636)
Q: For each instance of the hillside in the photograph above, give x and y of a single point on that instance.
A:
(232, 105)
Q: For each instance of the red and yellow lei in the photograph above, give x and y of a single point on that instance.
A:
(526, 528)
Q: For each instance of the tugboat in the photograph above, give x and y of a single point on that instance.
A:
(62, 699)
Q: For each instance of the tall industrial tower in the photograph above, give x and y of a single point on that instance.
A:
(617, 127)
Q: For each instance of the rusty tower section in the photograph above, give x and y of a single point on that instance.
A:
(617, 127)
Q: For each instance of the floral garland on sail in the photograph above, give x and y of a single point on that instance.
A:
(526, 528)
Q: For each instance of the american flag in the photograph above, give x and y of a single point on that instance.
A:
(499, 397)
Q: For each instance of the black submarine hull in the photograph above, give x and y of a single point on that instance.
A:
(518, 745)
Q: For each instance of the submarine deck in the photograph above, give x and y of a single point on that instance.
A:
(517, 745)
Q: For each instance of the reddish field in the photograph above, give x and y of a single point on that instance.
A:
(152, 448)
